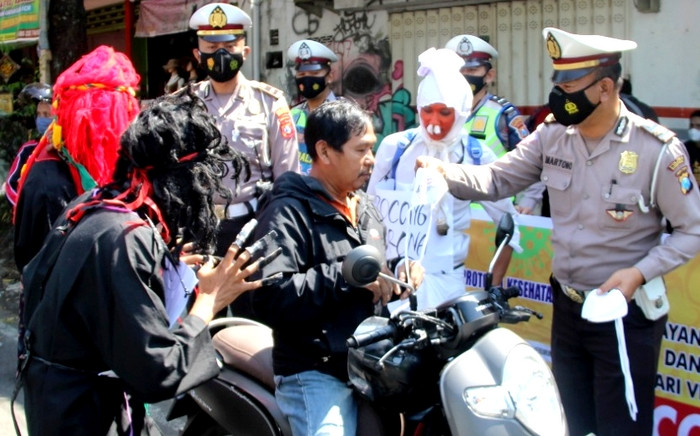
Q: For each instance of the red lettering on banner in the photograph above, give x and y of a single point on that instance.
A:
(672, 418)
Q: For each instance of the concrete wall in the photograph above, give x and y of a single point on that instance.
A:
(665, 68)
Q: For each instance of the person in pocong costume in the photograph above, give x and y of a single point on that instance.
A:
(38, 94)
(253, 116)
(94, 102)
(104, 331)
(494, 120)
(612, 177)
(444, 101)
(313, 77)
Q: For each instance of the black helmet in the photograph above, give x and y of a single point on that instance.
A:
(407, 381)
(35, 92)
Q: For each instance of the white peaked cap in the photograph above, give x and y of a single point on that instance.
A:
(574, 56)
(310, 55)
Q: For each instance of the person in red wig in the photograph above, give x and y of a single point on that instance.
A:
(93, 103)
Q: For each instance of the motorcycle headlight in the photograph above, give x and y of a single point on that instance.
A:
(527, 393)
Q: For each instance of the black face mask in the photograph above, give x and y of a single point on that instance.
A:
(476, 82)
(571, 108)
(222, 65)
(311, 86)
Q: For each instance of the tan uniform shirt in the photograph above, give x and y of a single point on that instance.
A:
(598, 200)
(256, 121)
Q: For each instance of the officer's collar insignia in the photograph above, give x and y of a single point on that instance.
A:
(553, 47)
(684, 180)
(619, 214)
(304, 52)
(621, 125)
(628, 162)
(217, 18)
(465, 48)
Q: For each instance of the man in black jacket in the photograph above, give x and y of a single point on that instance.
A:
(312, 311)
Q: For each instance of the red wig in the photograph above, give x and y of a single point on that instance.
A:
(94, 102)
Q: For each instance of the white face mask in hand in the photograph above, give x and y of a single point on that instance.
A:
(612, 306)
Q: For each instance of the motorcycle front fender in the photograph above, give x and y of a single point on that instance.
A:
(481, 365)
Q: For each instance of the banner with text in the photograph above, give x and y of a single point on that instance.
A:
(677, 411)
(19, 20)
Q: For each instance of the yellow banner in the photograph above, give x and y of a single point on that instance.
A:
(19, 20)
(677, 411)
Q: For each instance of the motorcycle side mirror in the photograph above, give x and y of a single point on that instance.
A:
(504, 233)
(361, 265)
(505, 229)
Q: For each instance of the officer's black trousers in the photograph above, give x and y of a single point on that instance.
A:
(586, 366)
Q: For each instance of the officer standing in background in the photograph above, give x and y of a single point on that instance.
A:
(612, 177)
(312, 63)
(494, 121)
(253, 116)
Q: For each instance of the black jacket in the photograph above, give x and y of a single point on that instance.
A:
(101, 308)
(313, 310)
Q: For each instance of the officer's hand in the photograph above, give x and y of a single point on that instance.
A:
(523, 210)
(627, 280)
(430, 162)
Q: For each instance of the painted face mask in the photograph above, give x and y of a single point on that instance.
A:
(438, 120)
(222, 65)
(571, 108)
(311, 86)
(42, 123)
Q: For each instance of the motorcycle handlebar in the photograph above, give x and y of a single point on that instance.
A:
(362, 339)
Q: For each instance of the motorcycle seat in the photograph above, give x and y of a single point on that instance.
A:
(248, 348)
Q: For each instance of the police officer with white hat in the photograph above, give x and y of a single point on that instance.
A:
(313, 76)
(253, 116)
(612, 178)
(494, 121)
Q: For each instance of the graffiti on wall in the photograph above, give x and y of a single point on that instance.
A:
(364, 71)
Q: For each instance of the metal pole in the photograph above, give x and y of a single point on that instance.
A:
(44, 49)
(256, 54)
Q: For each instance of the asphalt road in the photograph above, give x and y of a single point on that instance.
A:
(9, 294)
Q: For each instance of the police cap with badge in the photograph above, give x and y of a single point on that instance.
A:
(474, 50)
(575, 56)
(309, 55)
(220, 22)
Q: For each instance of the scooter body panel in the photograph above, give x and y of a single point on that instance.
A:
(481, 365)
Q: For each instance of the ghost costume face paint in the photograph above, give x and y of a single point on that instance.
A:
(437, 119)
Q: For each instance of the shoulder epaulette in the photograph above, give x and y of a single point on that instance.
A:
(662, 133)
(502, 101)
(268, 89)
(549, 119)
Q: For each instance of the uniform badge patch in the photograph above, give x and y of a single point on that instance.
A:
(518, 125)
(684, 180)
(628, 162)
(286, 124)
(619, 215)
(676, 163)
(479, 124)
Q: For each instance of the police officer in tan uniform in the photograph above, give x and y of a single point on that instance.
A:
(612, 177)
(254, 116)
